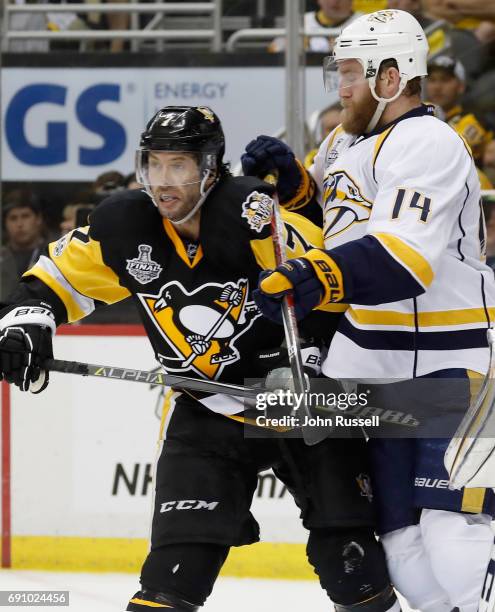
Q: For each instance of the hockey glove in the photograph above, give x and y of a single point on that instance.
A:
(314, 279)
(265, 154)
(25, 343)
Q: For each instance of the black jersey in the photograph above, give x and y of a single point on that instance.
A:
(195, 300)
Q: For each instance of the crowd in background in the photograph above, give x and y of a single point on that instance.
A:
(460, 83)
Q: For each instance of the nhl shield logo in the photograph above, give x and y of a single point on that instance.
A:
(142, 267)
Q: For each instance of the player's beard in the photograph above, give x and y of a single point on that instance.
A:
(357, 114)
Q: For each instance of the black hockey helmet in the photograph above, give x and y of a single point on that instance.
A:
(185, 128)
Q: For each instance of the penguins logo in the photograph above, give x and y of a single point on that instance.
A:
(344, 204)
(257, 209)
(201, 327)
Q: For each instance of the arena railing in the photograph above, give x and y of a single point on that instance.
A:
(214, 8)
(247, 34)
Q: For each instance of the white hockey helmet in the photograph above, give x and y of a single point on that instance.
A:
(379, 36)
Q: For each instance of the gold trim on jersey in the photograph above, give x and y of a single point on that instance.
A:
(440, 318)
(472, 500)
(407, 256)
(180, 249)
(300, 235)
(67, 296)
(76, 272)
(338, 130)
(380, 141)
(166, 406)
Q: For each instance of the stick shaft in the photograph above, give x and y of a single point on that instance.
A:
(150, 378)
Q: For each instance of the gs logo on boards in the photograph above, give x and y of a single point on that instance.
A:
(55, 148)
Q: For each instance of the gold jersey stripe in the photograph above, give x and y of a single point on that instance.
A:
(74, 312)
(82, 265)
(408, 256)
(167, 404)
(263, 248)
(472, 500)
(438, 318)
(151, 604)
(180, 249)
(338, 130)
(379, 144)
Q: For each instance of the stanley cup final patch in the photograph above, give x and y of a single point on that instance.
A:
(142, 267)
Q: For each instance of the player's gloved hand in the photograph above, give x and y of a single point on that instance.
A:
(313, 279)
(274, 365)
(25, 343)
(265, 154)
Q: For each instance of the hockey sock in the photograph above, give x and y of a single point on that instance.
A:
(351, 567)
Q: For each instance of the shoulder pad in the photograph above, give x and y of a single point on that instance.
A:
(123, 213)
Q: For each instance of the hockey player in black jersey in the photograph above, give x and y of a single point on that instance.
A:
(189, 249)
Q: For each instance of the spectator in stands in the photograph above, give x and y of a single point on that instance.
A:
(476, 15)
(331, 14)
(489, 161)
(413, 7)
(24, 236)
(108, 183)
(27, 21)
(445, 86)
(117, 21)
(327, 122)
(489, 210)
(130, 182)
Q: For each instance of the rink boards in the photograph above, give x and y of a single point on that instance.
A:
(78, 493)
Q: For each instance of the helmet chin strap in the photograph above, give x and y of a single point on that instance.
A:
(204, 194)
(382, 102)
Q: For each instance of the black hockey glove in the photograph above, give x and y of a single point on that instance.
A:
(25, 343)
(265, 154)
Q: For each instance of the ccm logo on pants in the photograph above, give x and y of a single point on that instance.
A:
(188, 504)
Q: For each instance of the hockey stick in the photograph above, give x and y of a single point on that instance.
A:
(150, 377)
(312, 435)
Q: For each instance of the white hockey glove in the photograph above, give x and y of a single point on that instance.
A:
(25, 343)
(275, 363)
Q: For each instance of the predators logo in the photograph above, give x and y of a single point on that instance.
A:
(344, 204)
(257, 209)
(383, 16)
(201, 327)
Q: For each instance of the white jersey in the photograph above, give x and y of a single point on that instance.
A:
(403, 220)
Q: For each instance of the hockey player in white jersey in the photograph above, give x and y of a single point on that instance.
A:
(404, 249)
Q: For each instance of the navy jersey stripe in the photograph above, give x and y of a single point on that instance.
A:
(382, 340)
